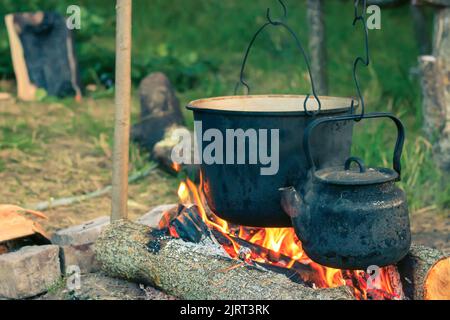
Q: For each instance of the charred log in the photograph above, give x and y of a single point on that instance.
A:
(194, 271)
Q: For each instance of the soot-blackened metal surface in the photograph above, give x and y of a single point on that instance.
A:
(354, 227)
(240, 194)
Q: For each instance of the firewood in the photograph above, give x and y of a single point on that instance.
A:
(425, 274)
(195, 271)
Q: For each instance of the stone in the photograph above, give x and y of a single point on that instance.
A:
(29, 272)
(80, 235)
(77, 244)
(82, 256)
(152, 218)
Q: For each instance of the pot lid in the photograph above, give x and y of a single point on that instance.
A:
(345, 175)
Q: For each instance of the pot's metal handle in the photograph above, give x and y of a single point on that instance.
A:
(398, 146)
(271, 22)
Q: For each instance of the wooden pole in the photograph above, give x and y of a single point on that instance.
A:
(122, 111)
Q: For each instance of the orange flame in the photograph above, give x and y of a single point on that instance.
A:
(279, 241)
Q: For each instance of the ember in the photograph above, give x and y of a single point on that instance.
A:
(275, 248)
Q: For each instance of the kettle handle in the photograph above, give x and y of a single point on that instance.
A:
(398, 146)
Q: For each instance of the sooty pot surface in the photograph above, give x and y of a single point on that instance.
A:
(240, 193)
(353, 228)
(351, 218)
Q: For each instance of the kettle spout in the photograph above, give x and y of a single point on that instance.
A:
(297, 209)
(291, 202)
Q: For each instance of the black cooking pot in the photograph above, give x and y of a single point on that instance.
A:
(351, 218)
(239, 193)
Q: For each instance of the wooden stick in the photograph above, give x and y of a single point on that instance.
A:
(123, 106)
(195, 271)
(62, 202)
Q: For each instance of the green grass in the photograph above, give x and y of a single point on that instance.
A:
(19, 136)
(200, 43)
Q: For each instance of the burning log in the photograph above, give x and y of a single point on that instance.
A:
(426, 274)
(195, 271)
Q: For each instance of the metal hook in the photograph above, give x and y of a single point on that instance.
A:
(357, 14)
(269, 18)
(365, 61)
(280, 23)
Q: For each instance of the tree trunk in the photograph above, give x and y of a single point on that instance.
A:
(436, 90)
(433, 100)
(425, 274)
(317, 45)
(195, 271)
(442, 54)
(422, 35)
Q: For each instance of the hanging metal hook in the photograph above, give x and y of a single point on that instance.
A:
(363, 13)
(280, 23)
(365, 61)
(275, 22)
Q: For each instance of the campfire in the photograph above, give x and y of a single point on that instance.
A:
(275, 248)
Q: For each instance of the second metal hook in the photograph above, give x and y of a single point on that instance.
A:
(272, 21)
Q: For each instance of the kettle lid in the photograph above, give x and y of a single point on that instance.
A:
(356, 176)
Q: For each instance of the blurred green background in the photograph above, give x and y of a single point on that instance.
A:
(199, 44)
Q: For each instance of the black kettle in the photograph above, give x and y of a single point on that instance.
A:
(351, 218)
